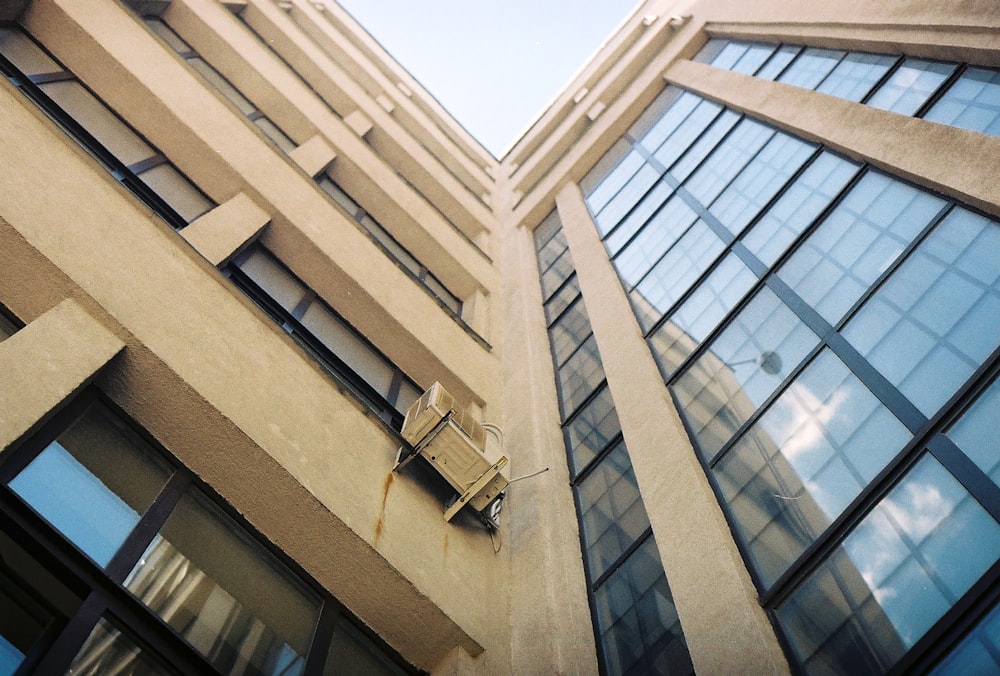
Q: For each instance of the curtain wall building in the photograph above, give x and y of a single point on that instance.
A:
(737, 289)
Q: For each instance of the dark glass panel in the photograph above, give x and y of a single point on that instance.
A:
(591, 429)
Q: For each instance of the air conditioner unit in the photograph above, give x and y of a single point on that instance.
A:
(459, 448)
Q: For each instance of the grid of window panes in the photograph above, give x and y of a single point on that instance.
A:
(131, 159)
(959, 95)
(221, 84)
(113, 559)
(340, 348)
(634, 617)
(390, 246)
(816, 320)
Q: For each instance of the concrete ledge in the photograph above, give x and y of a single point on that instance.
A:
(46, 363)
(227, 229)
(360, 123)
(314, 156)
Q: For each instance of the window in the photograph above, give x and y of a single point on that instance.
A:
(414, 268)
(810, 353)
(636, 624)
(131, 159)
(101, 533)
(958, 95)
(344, 352)
(212, 76)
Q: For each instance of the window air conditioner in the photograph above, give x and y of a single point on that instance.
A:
(466, 453)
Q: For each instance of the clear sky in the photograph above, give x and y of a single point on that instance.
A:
(494, 64)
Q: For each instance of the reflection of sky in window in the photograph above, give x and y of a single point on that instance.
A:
(76, 502)
(10, 657)
(915, 551)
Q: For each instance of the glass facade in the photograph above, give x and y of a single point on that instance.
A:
(815, 320)
(125, 154)
(636, 625)
(959, 95)
(114, 559)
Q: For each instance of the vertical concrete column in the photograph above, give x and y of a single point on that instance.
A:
(550, 617)
(46, 363)
(727, 631)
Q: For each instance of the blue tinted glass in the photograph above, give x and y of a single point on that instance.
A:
(93, 483)
(637, 620)
(626, 198)
(753, 59)
(979, 651)
(670, 119)
(742, 367)
(810, 67)
(911, 85)
(612, 516)
(975, 432)
(760, 180)
(727, 159)
(778, 62)
(697, 152)
(653, 200)
(674, 274)
(855, 75)
(698, 316)
(859, 240)
(658, 235)
(971, 102)
(729, 52)
(937, 317)
(800, 465)
(911, 558)
(796, 209)
(592, 429)
(686, 133)
(613, 182)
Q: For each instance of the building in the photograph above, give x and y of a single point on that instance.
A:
(736, 288)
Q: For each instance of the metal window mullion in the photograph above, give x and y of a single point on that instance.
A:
(623, 557)
(588, 469)
(942, 89)
(843, 56)
(888, 75)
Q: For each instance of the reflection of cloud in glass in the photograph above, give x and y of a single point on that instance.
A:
(919, 509)
(807, 416)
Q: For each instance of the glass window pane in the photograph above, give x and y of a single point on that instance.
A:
(979, 651)
(776, 65)
(760, 180)
(721, 53)
(674, 274)
(28, 57)
(560, 300)
(637, 620)
(659, 234)
(612, 515)
(911, 85)
(741, 369)
(755, 56)
(556, 274)
(93, 482)
(108, 651)
(698, 316)
(796, 470)
(177, 191)
(686, 133)
(855, 75)
(276, 282)
(653, 200)
(272, 131)
(338, 195)
(167, 33)
(102, 124)
(893, 576)
(864, 234)
(669, 120)
(350, 349)
(810, 67)
(579, 376)
(228, 597)
(799, 206)
(727, 159)
(971, 102)
(591, 430)
(223, 86)
(975, 432)
(614, 181)
(34, 604)
(569, 331)
(7, 327)
(937, 317)
(626, 198)
(352, 652)
(695, 153)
